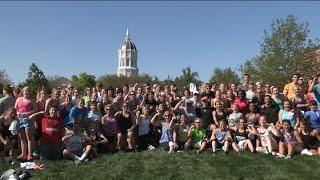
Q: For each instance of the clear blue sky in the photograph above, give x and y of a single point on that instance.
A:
(66, 38)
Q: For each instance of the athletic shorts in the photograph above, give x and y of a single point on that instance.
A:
(51, 151)
(25, 122)
(241, 144)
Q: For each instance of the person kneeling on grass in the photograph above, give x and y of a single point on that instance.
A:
(77, 147)
(98, 140)
(221, 138)
(241, 136)
(197, 138)
(289, 141)
(51, 129)
(310, 138)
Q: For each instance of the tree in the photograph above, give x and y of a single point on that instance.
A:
(116, 81)
(4, 79)
(186, 78)
(36, 80)
(82, 81)
(224, 76)
(285, 50)
(58, 81)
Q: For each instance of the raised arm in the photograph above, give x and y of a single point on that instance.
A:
(176, 107)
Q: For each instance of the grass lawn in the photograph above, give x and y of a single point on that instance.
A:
(187, 165)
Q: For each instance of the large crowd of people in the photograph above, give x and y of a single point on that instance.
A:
(213, 117)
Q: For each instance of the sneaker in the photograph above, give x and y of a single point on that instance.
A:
(199, 152)
(288, 157)
(180, 151)
(280, 155)
(170, 151)
(273, 153)
(29, 157)
(306, 152)
(150, 148)
(86, 159)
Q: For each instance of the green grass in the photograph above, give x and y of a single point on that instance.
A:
(187, 165)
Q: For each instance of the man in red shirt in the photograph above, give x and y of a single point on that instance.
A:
(51, 128)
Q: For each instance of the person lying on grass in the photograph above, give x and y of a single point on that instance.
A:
(266, 132)
(221, 138)
(77, 145)
(310, 138)
(290, 140)
(51, 130)
(240, 135)
(197, 137)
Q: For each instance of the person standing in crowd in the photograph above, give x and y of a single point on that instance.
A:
(288, 88)
(313, 115)
(54, 100)
(270, 109)
(245, 83)
(242, 102)
(187, 109)
(205, 113)
(277, 97)
(299, 100)
(8, 100)
(26, 106)
(52, 131)
(78, 115)
(288, 114)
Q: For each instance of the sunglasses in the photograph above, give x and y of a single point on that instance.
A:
(197, 122)
(108, 109)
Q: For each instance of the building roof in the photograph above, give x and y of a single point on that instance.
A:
(128, 44)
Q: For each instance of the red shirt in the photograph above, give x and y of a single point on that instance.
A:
(51, 130)
(243, 105)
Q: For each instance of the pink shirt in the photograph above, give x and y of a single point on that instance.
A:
(24, 105)
(243, 105)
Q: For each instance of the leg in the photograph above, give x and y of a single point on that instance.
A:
(68, 155)
(187, 145)
(249, 144)
(130, 140)
(29, 136)
(214, 146)
(203, 146)
(119, 139)
(225, 146)
(281, 148)
(87, 151)
(235, 147)
(290, 149)
(23, 144)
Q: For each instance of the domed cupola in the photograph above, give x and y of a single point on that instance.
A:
(127, 55)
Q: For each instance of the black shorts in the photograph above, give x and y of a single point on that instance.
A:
(111, 139)
(14, 140)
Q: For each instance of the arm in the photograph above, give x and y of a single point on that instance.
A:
(298, 137)
(176, 107)
(35, 115)
(67, 137)
(310, 89)
(154, 118)
(274, 130)
(279, 117)
(190, 131)
(213, 135)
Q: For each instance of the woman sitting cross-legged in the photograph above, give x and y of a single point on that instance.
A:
(77, 145)
(221, 138)
(267, 134)
(241, 136)
(290, 140)
(197, 137)
(310, 138)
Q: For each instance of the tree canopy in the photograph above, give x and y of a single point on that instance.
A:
(286, 49)
(82, 81)
(226, 76)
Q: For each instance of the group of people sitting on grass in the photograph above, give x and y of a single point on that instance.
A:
(81, 126)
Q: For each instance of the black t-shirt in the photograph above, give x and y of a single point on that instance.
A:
(124, 123)
(206, 116)
(271, 113)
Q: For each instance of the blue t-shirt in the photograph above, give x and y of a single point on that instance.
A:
(77, 115)
(94, 116)
(314, 118)
(166, 135)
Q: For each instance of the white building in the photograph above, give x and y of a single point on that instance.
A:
(127, 58)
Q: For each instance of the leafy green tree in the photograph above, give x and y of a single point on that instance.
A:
(58, 81)
(82, 81)
(116, 81)
(285, 49)
(4, 79)
(36, 80)
(186, 78)
(224, 76)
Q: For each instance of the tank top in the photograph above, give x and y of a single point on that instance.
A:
(221, 116)
(124, 123)
(240, 136)
(285, 115)
(144, 126)
(220, 136)
(24, 105)
(288, 138)
(264, 136)
(309, 142)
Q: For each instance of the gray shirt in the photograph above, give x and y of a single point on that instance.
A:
(6, 102)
